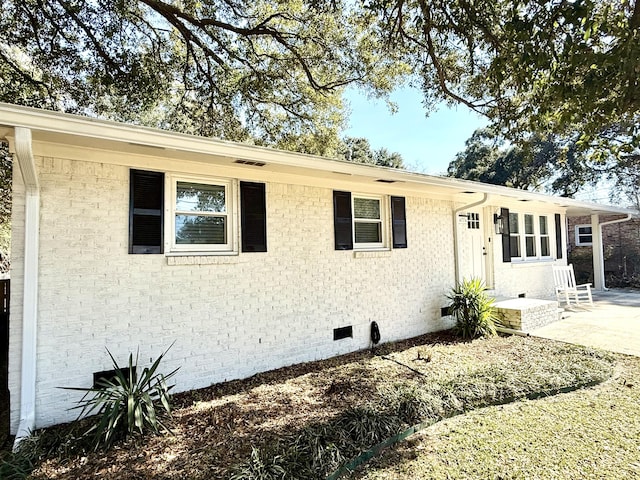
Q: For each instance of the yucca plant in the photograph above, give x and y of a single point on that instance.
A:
(127, 403)
(473, 309)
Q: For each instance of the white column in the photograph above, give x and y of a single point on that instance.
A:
(598, 254)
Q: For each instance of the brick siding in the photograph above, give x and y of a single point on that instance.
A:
(230, 317)
(621, 247)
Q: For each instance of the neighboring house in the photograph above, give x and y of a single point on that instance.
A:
(248, 258)
(621, 246)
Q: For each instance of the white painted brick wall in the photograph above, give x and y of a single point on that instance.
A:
(230, 317)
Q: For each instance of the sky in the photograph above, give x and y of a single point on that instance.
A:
(427, 144)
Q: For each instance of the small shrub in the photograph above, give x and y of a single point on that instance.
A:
(412, 403)
(127, 403)
(260, 466)
(473, 310)
(18, 465)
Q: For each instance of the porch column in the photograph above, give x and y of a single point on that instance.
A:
(598, 254)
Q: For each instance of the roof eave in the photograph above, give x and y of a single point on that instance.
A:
(67, 124)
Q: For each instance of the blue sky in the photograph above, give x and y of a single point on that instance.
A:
(427, 144)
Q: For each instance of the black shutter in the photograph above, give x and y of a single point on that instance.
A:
(253, 214)
(558, 236)
(146, 201)
(342, 223)
(506, 235)
(399, 222)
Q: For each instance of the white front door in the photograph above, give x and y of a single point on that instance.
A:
(474, 253)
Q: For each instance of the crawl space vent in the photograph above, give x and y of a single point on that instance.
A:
(342, 332)
(110, 375)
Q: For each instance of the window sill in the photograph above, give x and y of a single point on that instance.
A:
(381, 253)
(202, 258)
(531, 263)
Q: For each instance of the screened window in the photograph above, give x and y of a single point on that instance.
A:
(514, 229)
(367, 222)
(201, 215)
(545, 249)
(584, 235)
(529, 235)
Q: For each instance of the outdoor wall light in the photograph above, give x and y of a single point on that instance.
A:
(498, 223)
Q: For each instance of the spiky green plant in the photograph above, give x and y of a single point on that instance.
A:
(261, 466)
(127, 403)
(473, 309)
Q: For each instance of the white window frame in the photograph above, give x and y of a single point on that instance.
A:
(578, 235)
(544, 235)
(533, 235)
(383, 221)
(536, 235)
(231, 188)
(517, 235)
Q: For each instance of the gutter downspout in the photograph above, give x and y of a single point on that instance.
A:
(600, 252)
(456, 240)
(24, 155)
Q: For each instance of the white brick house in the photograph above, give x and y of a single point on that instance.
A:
(248, 258)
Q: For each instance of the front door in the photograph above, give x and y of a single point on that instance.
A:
(475, 254)
(476, 240)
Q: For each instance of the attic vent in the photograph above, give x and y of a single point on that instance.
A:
(250, 162)
(382, 180)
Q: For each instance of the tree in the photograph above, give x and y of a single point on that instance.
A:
(626, 180)
(262, 71)
(552, 163)
(358, 149)
(531, 66)
(272, 72)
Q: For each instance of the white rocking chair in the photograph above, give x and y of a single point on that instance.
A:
(566, 288)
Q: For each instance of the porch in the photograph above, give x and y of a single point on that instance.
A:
(613, 323)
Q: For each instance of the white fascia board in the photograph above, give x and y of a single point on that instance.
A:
(458, 189)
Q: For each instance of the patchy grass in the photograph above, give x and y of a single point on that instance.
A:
(308, 419)
(586, 434)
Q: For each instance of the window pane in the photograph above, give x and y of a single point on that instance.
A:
(200, 197)
(586, 239)
(543, 226)
(513, 223)
(366, 208)
(368, 232)
(544, 247)
(200, 230)
(528, 224)
(515, 246)
(530, 243)
(584, 230)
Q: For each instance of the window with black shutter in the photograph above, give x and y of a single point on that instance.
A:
(342, 220)
(399, 222)
(253, 217)
(145, 211)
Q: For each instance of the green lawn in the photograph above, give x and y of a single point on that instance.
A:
(589, 433)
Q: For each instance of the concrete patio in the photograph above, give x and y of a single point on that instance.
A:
(613, 323)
